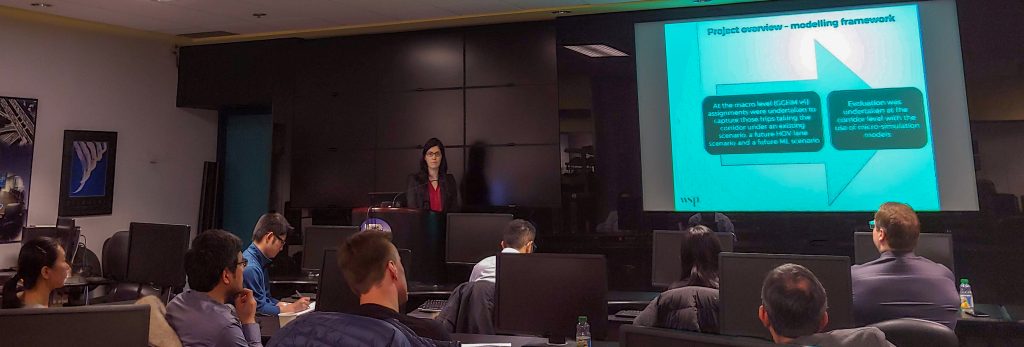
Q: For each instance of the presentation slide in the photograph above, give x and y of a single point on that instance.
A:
(819, 111)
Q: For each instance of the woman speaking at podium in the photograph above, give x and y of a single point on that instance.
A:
(432, 187)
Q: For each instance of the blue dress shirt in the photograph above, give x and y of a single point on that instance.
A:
(255, 278)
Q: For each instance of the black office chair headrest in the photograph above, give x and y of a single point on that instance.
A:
(912, 332)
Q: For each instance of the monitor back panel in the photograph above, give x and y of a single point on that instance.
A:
(156, 253)
(471, 237)
(543, 293)
(740, 293)
(87, 326)
(317, 238)
(333, 293)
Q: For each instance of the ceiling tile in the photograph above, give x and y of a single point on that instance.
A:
(471, 7)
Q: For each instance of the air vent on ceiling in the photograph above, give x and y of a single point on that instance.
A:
(207, 34)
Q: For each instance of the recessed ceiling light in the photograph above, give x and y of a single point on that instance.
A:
(259, 14)
(597, 51)
(41, 4)
(561, 12)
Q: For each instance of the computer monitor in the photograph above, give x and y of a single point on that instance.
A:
(85, 326)
(666, 254)
(333, 294)
(68, 237)
(740, 289)
(317, 238)
(156, 253)
(937, 247)
(543, 294)
(471, 237)
(387, 199)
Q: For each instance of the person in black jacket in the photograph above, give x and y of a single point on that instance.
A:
(692, 302)
(432, 187)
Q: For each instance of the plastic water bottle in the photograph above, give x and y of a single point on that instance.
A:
(582, 332)
(966, 296)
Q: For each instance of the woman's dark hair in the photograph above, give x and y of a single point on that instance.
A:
(424, 174)
(699, 257)
(35, 254)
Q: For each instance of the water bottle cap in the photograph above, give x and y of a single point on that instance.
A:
(582, 319)
(963, 281)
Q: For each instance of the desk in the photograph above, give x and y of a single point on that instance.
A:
(300, 280)
(1005, 327)
(519, 341)
(85, 283)
(640, 299)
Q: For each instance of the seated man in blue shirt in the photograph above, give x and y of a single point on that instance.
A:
(268, 239)
(200, 315)
(901, 284)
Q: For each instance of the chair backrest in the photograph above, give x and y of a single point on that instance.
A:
(637, 336)
(87, 326)
(912, 332)
(87, 261)
(115, 256)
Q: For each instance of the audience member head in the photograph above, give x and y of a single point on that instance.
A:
(793, 303)
(270, 234)
(519, 234)
(433, 158)
(42, 267)
(896, 228)
(373, 269)
(699, 257)
(215, 264)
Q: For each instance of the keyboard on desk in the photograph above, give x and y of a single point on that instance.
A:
(432, 306)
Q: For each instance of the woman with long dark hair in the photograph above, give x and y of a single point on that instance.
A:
(699, 258)
(432, 187)
(692, 302)
(42, 267)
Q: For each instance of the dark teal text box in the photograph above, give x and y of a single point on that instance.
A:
(763, 123)
(889, 118)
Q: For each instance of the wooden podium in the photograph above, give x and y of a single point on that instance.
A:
(420, 231)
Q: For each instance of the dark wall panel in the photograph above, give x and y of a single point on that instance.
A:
(328, 66)
(520, 115)
(395, 165)
(345, 122)
(521, 53)
(408, 119)
(419, 60)
(325, 178)
(522, 175)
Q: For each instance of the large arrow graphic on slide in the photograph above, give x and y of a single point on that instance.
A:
(840, 166)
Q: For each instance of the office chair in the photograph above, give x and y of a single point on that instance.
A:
(913, 332)
(115, 268)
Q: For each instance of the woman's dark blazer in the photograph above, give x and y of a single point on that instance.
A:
(417, 195)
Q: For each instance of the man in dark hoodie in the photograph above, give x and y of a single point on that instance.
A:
(794, 308)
